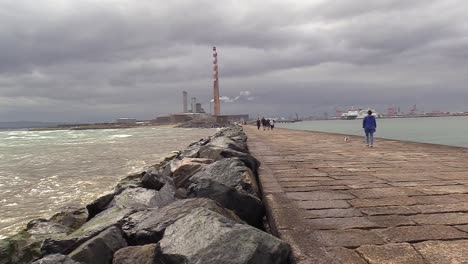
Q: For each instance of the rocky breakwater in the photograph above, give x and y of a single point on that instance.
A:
(200, 205)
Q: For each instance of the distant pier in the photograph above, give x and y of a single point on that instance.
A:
(342, 202)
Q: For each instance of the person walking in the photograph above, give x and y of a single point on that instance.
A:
(370, 125)
(258, 123)
(264, 123)
(272, 124)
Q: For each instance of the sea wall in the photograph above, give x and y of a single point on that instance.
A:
(199, 205)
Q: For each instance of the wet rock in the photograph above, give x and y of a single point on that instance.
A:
(100, 249)
(110, 217)
(6, 249)
(152, 181)
(56, 259)
(231, 172)
(148, 226)
(145, 254)
(216, 154)
(24, 247)
(227, 143)
(183, 169)
(247, 206)
(133, 180)
(141, 198)
(71, 217)
(99, 205)
(204, 236)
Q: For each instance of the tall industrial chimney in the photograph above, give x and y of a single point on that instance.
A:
(216, 106)
(184, 101)
(194, 101)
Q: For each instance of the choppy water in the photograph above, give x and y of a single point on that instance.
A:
(43, 171)
(437, 130)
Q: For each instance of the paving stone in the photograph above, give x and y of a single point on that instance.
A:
(421, 183)
(463, 228)
(441, 219)
(367, 185)
(384, 192)
(319, 195)
(391, 220)
(323, 204)
(410, 200)
(344, 255)
(444, 252)
(389, 210)
(390, 254)
(349, 237)
(314, 188)
(421, 233)
(448, 189)
(326, 213)
(441, 208)
(341, 223)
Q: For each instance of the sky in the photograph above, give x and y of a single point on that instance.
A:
(98, 60)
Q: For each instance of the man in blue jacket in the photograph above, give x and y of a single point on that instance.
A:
(369, 124)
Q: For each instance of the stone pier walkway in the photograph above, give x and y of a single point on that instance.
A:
(341, 202)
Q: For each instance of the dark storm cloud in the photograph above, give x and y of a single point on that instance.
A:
(98, 60)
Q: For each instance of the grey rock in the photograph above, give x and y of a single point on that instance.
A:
(100, 204)
(71, 217)
(148, 226)
(6, 249)
(231, 172)
(183, 169)
(227, 143)
(146, 254)
(141, 198)
(56, 259)
(247, 206)
(152, 181)
(24, 247)
(110, 217)
(133, 181)
(216, 153)
(100, 249)
(204, 236)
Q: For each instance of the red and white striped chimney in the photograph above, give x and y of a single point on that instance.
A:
(216, 105)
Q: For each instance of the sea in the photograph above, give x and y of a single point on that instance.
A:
(44, 171)
(451, 131)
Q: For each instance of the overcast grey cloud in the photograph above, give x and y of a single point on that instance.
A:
(90, 60)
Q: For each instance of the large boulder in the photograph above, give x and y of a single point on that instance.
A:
(110, 217)
(207, 237)
(133, 180)
(56, 259)
(217, 153)
(148, 226)
(153, 180)
(99, 205)
(247, 206)
(71, 217)
(24, 247)
(146, 254)
(6, 249)
(227, 143)
(185, 168)
(100, 249)
(141, 198)
(231, 172)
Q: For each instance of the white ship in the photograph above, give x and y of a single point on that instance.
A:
(363, 113)
(350, 115)
(358, 114)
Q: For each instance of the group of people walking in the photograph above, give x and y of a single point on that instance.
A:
(369, 124)
(267, 124)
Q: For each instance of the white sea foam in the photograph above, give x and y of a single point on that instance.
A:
(120, 136)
